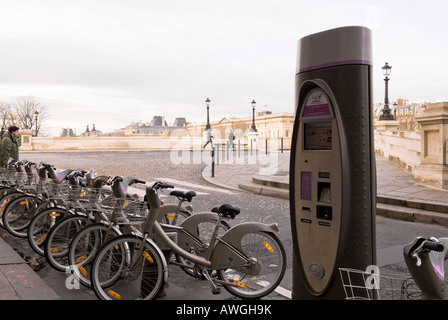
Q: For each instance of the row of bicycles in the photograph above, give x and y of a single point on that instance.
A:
(121, 245)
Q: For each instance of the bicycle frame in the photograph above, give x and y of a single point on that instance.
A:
(228, 246)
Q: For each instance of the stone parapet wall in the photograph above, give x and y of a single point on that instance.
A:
(401, 147)
(177, 140)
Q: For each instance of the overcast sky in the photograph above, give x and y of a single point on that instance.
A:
(111, 62)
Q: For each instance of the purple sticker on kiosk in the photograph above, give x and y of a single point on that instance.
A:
(317, 110)
(305, 185)
(316, 105)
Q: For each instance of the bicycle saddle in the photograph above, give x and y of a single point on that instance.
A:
(227, 210)
(183, 195)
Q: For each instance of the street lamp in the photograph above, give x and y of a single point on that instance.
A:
(253, 128)
(36, 114)
(207, 102)
(386, 111)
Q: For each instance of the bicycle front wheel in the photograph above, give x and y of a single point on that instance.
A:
(263, 269)
(41, 224)
(59, 238)
(6, 196)
(85, 246)
(121, 272)
(18, 214)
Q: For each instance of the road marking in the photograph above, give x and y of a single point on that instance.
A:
(280, 290)
(193, 185)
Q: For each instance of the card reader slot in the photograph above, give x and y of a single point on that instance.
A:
(324, 212)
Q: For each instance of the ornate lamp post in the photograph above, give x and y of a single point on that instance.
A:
(253, 128)
(207, 102)
(386, 111)
(36, 114)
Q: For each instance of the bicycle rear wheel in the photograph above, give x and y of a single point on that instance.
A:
(205, 232)
(263, 270)
(119, 272)
(176, 218)
(84, 247)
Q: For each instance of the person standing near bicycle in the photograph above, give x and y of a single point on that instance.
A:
(10, 145)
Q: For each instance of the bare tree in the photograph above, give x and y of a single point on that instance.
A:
(6, 114)
(29, 113)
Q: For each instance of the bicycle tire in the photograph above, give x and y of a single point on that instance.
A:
(112, 278)
(84, 246)
(58, 241)
(41, 225)
(18, 214)
(6, 197)
(266, 253)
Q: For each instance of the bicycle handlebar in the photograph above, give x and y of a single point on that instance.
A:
(45, 165)
(425, 261)
(423, 245)
(433, 246)
(161, 185)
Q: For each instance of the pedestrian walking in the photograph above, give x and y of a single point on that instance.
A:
(209, 139)
(10, 145)
(231, 138)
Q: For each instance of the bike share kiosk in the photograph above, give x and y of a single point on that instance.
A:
(332, 168)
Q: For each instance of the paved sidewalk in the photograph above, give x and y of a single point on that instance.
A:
(18, 281)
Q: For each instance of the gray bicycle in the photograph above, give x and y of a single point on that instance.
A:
(249, 260)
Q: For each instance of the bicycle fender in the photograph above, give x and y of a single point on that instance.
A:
(191, 238)
(190, 224)
(226, 254)
(162, 256)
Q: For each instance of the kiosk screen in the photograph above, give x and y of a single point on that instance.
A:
(318, 135)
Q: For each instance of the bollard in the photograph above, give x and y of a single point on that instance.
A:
(239, 145)
(213, 162)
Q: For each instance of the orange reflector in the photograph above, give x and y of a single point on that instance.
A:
(241, 284)
(83, 271)
(148, 257)
(80, 259)
(114, 294)
(268, 246)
